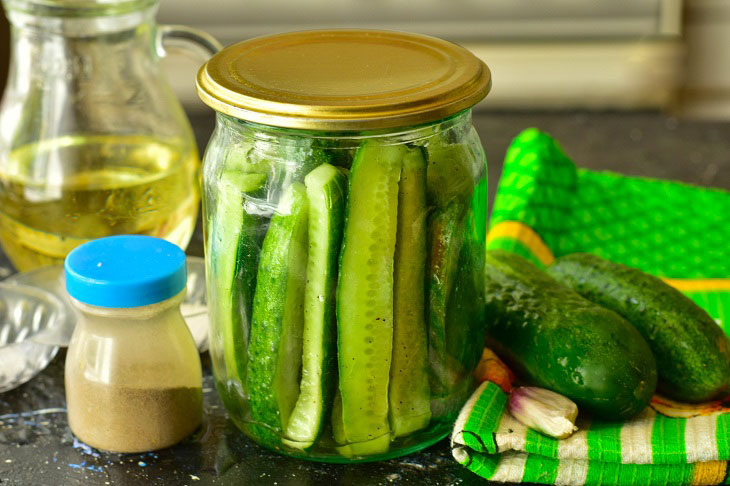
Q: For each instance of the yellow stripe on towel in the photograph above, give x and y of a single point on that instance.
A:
(699, 284)
(708, 473)
(525, 235)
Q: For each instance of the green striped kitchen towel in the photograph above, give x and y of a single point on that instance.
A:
(651, 449)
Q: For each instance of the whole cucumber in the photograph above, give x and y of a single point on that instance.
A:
(556, 339)
(692, 352)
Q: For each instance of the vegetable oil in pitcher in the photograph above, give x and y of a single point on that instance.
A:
(58, 194)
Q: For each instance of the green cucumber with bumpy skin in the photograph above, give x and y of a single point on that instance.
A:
(556, 339)
(275, 347)
(692, 352)
(446, 235)
(234, 245)
(365, 296)
(409, 393)
(326, 194)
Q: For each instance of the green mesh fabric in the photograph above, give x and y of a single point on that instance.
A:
(537, 187)
(665, 228)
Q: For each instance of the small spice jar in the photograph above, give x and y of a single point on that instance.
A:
(133, 375)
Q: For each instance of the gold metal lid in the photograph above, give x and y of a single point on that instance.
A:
(343, 80)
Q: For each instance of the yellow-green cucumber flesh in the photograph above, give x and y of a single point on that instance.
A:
(409, 392)
(326, 194)
(365, 296)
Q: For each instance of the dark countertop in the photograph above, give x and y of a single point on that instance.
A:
(36, 445)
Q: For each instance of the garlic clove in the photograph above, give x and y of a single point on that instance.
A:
(543, 410)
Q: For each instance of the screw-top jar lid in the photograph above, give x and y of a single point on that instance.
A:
(125, 271)
(343, 80)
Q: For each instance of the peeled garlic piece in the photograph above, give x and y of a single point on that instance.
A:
(543, 410)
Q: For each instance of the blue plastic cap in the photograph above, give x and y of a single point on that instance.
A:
(125, 271)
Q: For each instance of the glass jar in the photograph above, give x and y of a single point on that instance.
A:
(345, 219)
(93, 141)
(133, 376)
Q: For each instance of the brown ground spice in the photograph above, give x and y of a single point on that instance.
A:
(125, 419)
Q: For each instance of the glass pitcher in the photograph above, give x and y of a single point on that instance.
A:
(93, 141)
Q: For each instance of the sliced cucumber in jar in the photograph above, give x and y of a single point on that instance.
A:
(446, 234)
(275, 347)
(326, 193)
(465, 315)
(408, 392)
(450, 174)
(233, 243)
(338, 429)
(365, 296)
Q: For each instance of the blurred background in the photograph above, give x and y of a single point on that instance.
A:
(668, 55)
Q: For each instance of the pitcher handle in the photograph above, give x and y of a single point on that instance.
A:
(186, 40)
